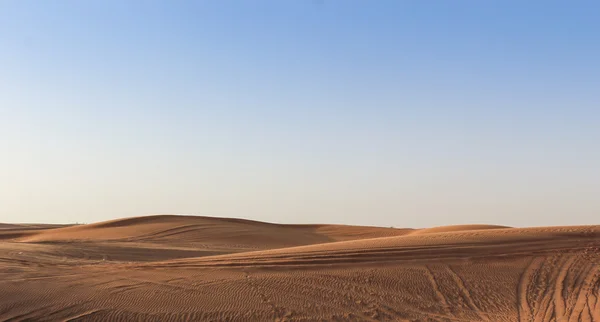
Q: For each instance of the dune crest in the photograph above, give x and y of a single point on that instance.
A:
(454, 228)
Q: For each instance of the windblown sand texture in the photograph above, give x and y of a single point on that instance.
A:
(176, 268)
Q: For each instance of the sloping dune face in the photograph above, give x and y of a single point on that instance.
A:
(454, 228)
(173, 268)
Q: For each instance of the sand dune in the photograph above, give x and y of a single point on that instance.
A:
(171, 268)
(196, 233)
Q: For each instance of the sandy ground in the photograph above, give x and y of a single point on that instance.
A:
(173, 268)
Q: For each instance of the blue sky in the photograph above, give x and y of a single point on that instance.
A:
(403, 113)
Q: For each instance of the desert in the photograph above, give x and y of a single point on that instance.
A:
(193, 268)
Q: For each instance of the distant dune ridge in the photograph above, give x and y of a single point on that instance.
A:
(173, 268)
(446, 229)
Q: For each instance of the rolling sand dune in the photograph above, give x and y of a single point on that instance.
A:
(196, 230)
(171, 268)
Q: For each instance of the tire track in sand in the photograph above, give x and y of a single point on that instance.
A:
(437, 291)
(558, 301)
(560, 298)
(466, 294)
(523, 308)
(591, 279)
(547, 305)
(596, 310)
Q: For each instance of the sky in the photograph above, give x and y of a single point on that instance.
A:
(387, 113)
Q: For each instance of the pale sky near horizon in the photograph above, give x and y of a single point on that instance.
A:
(390, 113)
